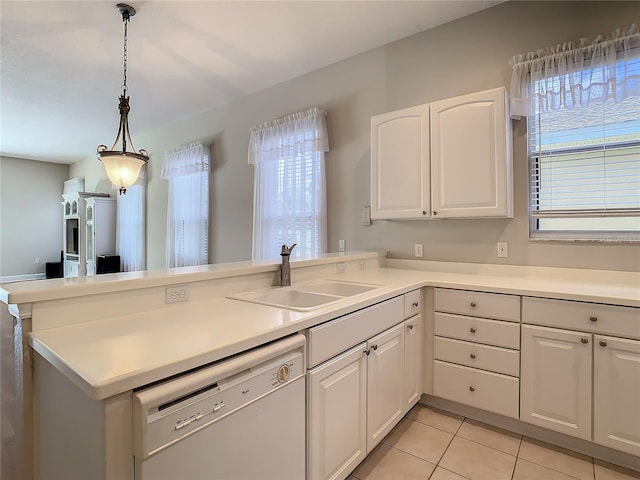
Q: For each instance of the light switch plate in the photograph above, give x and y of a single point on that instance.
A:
(366, 215)
(503, 249)
(418, 248)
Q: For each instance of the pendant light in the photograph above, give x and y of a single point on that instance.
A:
(123, 166)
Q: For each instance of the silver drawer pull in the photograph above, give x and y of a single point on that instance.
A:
(472, 356)
(472, 330)
(593, 318)
(473, 304)
(472, 389)
(603, 343)
(410, 326)
(415, 304)
(584, 340)
(218, 406)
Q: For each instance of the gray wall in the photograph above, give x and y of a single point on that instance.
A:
(30, 214)
(463, 56)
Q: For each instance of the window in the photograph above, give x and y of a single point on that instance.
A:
(289, 185)
(187, 169)
(130, 225)
(583, 108)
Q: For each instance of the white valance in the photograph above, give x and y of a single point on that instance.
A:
(569, 75)
(186, 160)
(285, 137)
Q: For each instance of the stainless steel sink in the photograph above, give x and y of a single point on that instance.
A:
(305, 297)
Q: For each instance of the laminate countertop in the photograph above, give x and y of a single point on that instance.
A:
(113, 355)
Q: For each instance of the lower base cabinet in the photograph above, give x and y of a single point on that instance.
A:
(616, 393)
(337, 406)
(556, 380)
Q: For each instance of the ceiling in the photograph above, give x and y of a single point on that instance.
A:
(62, 61)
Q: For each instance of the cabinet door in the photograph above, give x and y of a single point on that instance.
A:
(471, 165)
(556, 380)
(413, 360)
(616, 391)
(336, 426)
(385, 382)
(400, 183)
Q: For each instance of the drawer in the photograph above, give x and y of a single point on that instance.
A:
(480, 330)
(336, 336)
(478, 304)
(412, 304)
(486, 390)
(583, 316)
(485, 357)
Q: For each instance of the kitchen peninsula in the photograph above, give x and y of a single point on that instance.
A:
(106, 336)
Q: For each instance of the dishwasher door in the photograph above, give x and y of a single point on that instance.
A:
(242, 418)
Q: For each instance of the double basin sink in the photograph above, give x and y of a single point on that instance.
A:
(306, 297)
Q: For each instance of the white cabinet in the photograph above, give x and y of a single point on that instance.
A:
(400, 175)
(616, 393)
(75, 240)
(556, 380)
(364, 374)
(100, 224)
(471, 159)
(450, 158)
(476, 356)
(385, 383)
(564, 368)
(414, 346)
(336, 413)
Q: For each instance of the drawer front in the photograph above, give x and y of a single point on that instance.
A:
(485, 357)
(336, 336)
(478, 304)
(412, 304)
(486, 390)
(583, 316)
(480, 330)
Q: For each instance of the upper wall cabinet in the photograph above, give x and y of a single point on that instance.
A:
(400, 185)
(447, 159)
(471, 164)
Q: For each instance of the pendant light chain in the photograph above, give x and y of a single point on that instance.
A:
(125, 18)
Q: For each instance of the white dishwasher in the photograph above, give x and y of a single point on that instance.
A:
(240, 418)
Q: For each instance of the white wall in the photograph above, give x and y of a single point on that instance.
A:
(30, 215)
(463, 56)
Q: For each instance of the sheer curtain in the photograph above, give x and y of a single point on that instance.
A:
(574, 74)
(187, 169)
(130, 225)
(289, 203)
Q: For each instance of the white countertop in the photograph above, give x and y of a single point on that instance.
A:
(113, 355)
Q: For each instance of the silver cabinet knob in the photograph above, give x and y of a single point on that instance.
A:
(603, 343)
(584, 340)
(593, 318)
(367, 351)
(424, 212)
(472, 356)
(375, 347)
(435, 213)
(410, 326)
(472, 330)
(472, 389)
(473, 304)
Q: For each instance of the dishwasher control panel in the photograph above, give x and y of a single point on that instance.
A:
(165, 413)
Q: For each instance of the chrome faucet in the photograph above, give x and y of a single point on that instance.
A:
(285, 268)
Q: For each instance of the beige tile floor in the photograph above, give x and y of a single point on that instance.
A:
(436, 445)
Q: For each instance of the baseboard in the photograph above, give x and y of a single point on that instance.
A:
(522, 428)
(22, 278)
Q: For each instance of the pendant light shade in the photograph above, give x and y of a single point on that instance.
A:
(121, 165)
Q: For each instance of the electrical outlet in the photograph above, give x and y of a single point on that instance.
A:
(342, 245)
(418, 248)
(503, 249)
(362, 265)
(177, 294)
(366, 215)
(340, 268)
(36, 260)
